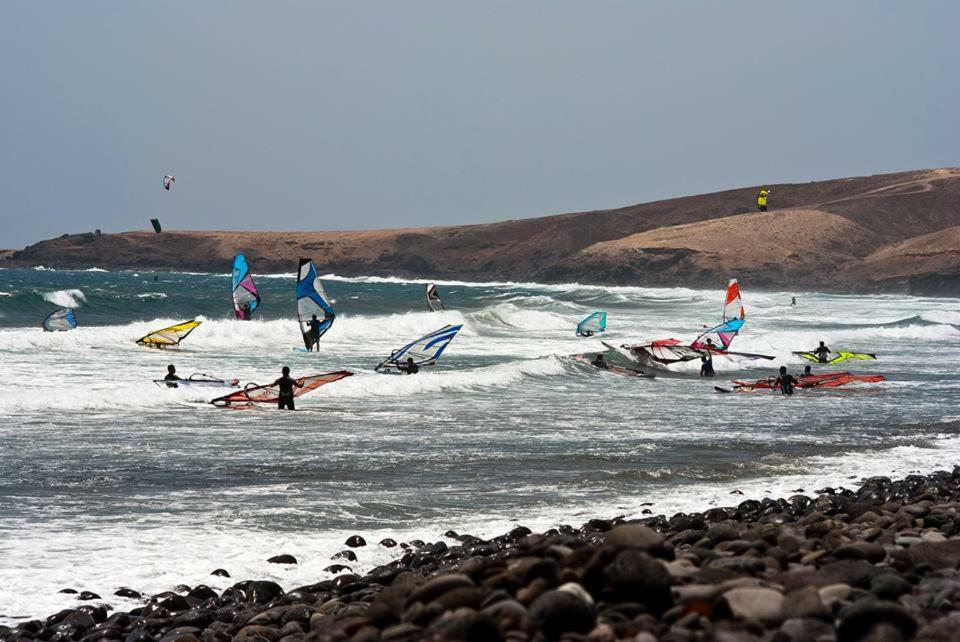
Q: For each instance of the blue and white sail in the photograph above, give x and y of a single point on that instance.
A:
(593, 324)
(312, 301)
(424, 351)
(60, 321)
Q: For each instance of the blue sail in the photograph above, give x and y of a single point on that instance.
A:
(244, 289)
(60, 321)
(424, 351)
(312, 300)
(596, 322)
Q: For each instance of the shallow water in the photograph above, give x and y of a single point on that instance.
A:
(108, 480)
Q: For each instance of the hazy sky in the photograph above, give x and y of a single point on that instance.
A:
(322, 116)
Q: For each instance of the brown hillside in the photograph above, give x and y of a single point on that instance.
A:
(814, 231)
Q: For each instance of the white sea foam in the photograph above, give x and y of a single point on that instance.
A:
(71, 298)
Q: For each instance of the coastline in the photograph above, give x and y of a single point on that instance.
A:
(888, 233)
(877, 563)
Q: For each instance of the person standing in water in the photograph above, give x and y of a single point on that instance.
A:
(409, 367)
(245, 312)
(822, 352)
(762, 198)
(793, 301)
(314, 333)
(706, 366)
(285, 384)
(600, 362)
(786, 382)
(172, 374)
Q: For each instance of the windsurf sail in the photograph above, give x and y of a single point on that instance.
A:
(433, 298)
(244, 289)
(837, 357)
(826, 380)
(665, 351)
(170, 336)
(732, 303)
(424, 351)
(60, 321)
(721, 336)
(594, 323)
(270, 393)
(312, 300)
(155, 222)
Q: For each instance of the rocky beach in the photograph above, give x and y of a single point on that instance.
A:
(877, 562)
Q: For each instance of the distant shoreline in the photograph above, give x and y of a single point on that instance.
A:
(890, 233)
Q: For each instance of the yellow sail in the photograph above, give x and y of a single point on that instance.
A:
(169, 336)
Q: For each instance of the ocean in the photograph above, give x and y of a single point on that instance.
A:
(109, 481)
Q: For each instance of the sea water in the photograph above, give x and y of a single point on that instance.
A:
(108, 481)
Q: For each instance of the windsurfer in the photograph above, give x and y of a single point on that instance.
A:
(600, 362)
(245, 311)
(793, 301)
(807, 371)
(822, 352)
(409, 367)
(586, 333)
(315, 333)
(706, 365)
(285, 384)
(172, 374)
(785, 381)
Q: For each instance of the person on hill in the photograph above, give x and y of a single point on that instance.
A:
(762, 198)
(706, 366)
(600, 362)
(786, 382)
(314, 333)
(285, 385)
(408, 367)
(822, 352)
(172, 374)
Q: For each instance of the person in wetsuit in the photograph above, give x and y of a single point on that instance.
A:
(786, 382)
(172, 374)
(807, 371)
(314, 333)
(822, 352)
(245, 312)
(706, 366)
(600, 362)
(286, 384)
(409, 367)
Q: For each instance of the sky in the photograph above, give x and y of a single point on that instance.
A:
(365, 115)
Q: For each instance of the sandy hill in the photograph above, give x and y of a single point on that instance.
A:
(879, 232)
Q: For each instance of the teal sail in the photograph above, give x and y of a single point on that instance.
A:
(246, 299)
(593, 324)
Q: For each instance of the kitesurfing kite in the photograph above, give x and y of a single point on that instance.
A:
(60, 321)
(168, 181)
(312, 301)
(594, 323)
(424, 351)
(246, 299)
(836, 357)
(433, 298)
(269, 394)
(831, 380)
(714, 341)
(170, 336)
